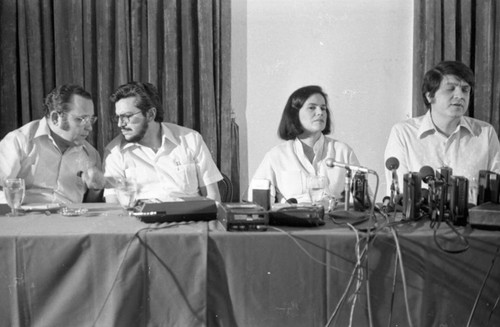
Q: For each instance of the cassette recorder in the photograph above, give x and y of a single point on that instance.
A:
(459, 200)
(412, 196)
(243, 217)
(359, 189)
(488, 187)
(297, 215)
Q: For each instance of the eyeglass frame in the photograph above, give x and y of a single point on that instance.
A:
(124, 118)
(83, 120)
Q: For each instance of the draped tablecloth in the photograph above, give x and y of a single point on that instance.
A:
(105, 268)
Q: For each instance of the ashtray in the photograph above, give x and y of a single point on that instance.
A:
(72, 212)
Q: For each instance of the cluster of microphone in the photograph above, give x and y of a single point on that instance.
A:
(357, 184)
(444, 199)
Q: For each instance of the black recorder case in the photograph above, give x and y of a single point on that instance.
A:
(242, 217)
(297, 215)
(191, 209)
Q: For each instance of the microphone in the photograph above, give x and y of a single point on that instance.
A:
(437, 191)
(427, 174)
(392, 164)
(332, 163)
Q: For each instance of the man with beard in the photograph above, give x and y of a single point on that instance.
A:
(162, 160)
(444, 136)
(52, 155)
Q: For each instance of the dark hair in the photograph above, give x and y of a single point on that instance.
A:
(434, 77)
(290, 126)
(59, 98)
(146, 94)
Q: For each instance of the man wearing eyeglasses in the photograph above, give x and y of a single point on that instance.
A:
(52, 155)
(166, 161)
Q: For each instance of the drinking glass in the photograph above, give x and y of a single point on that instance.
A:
(14, 194)
(126, 191)
(316, 186)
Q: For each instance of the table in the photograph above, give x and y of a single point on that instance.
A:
(297, 277)
(101, 269)
(105, 269)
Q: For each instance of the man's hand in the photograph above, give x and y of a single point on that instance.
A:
(94, 178)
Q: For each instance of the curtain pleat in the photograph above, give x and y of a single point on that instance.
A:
(235, 163)
(183, 47)
(171, 54)
(495, 113)
(105, 70)
(464, 30)
(9, 106)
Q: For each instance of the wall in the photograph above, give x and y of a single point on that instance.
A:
(359, 51)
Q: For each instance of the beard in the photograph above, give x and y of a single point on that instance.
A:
(139, 134)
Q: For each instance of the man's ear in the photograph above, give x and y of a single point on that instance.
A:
(54, 117)
(152, 114)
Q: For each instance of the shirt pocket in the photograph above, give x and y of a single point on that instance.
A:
(186, 177)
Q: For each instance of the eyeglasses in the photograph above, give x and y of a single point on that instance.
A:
(82, 120)
(124, 118)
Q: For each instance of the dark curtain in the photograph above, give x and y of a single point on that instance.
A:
(465, 30)
(181, 46)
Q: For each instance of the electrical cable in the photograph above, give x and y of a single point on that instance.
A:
(403, 278)
(493, 309)
(307, 252)
(393, 289)
(358, 263)
(120, 266)
(363, 257)
(482, 287)
(367, 284)
(342, 298)
(460, 237)
(360, 256)
(351, 278)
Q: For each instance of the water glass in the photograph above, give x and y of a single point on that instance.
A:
(316, 186)
(14, 189)
(126, 191)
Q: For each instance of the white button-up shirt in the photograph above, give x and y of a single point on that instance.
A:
(31, 153)
(287, 167)
(179, 168)
(473, 146)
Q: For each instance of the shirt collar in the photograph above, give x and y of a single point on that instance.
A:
(167, 134)
(44, 130)
(317, 147)
(427, 126)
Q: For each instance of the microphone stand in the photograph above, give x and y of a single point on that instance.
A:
(394, 191)
(347, 188)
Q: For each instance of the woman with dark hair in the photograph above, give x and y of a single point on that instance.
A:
(304, 123)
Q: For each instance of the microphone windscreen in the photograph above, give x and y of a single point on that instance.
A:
(329, 162)
(426, 173)
(392, 163)
(292, 201)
